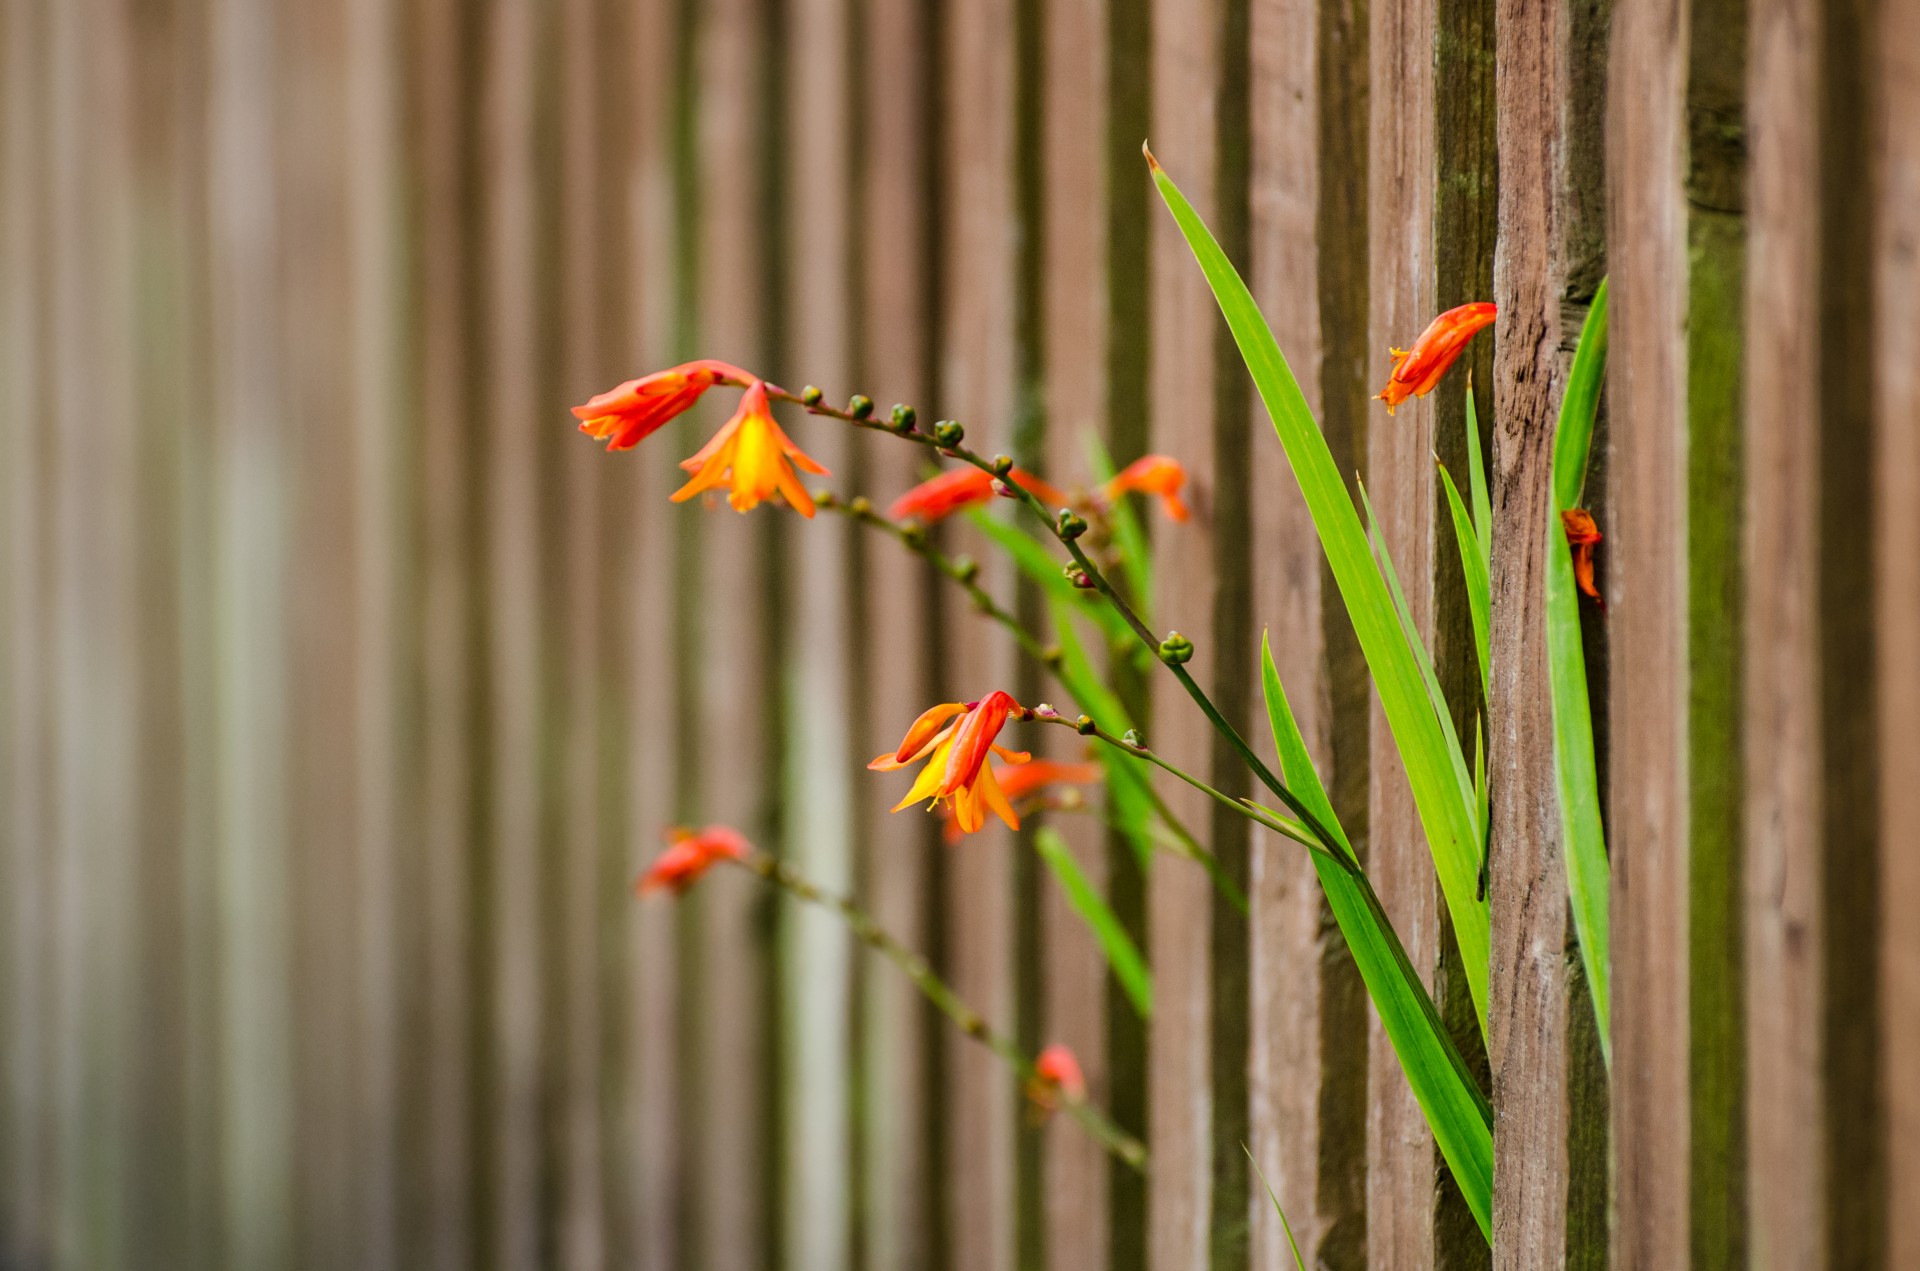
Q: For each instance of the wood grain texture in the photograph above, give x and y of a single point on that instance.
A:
(894, 645)
(1307, 194)
(1897, 535)
(1529, 1000)
(1075, 341)
(1648, 800)
(976, 379)
(1785, 927)
(1401, 1174)
(1187, 78)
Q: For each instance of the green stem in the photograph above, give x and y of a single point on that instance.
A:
(969, 1021)
(1100, 582)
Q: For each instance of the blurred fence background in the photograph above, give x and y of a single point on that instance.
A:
(346, 688)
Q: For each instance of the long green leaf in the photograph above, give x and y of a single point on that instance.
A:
(1446, 817)
(1128, 534)
(1300, 1263)
(1577, 780)
(1036, 561)
(1456, 1110)
(1129, 799)
(1473, 569)
(1477, 482)
(1123, 957)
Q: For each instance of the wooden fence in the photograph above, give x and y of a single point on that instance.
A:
(346, 687)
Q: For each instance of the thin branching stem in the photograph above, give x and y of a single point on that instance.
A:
(936, 990)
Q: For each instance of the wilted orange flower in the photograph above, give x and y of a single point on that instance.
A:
(1016, 782)
(1584, 536)
(1417, 370)
(955, 739)
(628, 414)
(1151, 474)
(690, 854)
(1056, 1073)
(949, 492)
(753, 458)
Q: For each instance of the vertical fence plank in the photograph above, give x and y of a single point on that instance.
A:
(1897, 539)
(252, 489)
(1401, 300)
(1649, 791)
(440, 1071)
(580, 1239)
(817, 950)
(1309, 247)
(1074, 337)
(1540, 277)
(729, 667)
(515, 648)
(893, 356)
(656, 171)
(27, 615)
(975, 385)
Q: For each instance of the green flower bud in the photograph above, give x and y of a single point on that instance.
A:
(860, 505)
(811, 396)
(1133, 740)
(966, 568)
(903, 417)
(860, 406)
(1084, 725)
(1002, 465)
(949, 433)
(1176, 649)
(1069, 525)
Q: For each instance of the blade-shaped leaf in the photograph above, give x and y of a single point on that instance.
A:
(1128, 534)
(1300, 1263)
(1473, 569)
(1446, 817)
(1477, 482)
(1122, 955)
(1129, 798)
(1037, 561)
(1578, 782)
(1455, 1108)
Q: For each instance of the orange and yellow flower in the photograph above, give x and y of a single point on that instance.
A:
(1583, 536)
(1159, 475)
(1056, 1074)
(950, 492)
(955, 738)
(690, 854)
(1018, 781)
(1417, 370)
(753, 458)
(628, 414)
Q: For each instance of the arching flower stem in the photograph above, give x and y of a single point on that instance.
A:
(936, 990)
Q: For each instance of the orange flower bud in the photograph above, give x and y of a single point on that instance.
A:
(689, 855)
(1160, 475)
(1056, 1074)
(1417, 370)
(626, 415)
(1583, 536)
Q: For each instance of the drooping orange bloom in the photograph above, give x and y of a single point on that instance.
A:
(626, 415)
(1160, 475)
(690, 854)
(1583, 536)
(753, 458)
(954, 739)
(1017, 781)
(1056, 1073)
(1417, 370)
(942, 496)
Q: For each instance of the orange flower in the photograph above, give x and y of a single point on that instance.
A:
(1018, 781)
(690, 855)
(628, 414)
(1151, 474)
(1417, 370)
(753, 458)
(949, 492)
(1583, 535)
(955, 740)
(1056, 1073)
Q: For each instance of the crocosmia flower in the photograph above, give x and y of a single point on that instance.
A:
(1056, 1074)
(1583, 536)
(690, 854)
(1019, 781)
(626, 415)
(960, 488)
(1417, 370)
(1160, 475)
(753, 458)
(954, 739)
